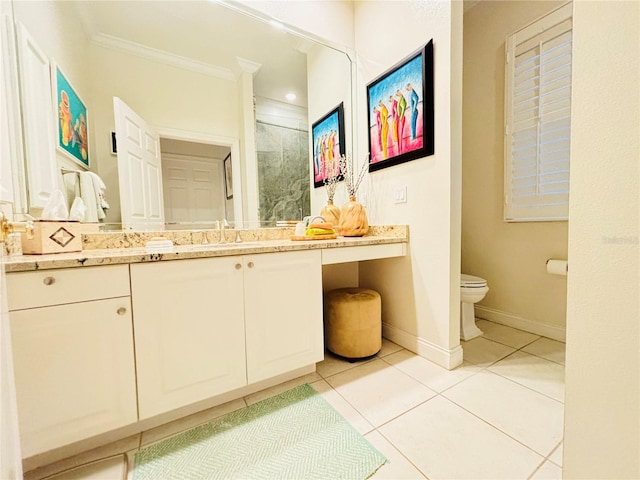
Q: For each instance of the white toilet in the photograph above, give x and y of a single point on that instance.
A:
(472, 290)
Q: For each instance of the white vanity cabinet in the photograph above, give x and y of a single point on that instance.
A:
(193, 317)
(189, 331)
(73, 354)
(97, 348)
(283, 312)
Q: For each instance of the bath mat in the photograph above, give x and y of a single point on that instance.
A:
(294, 435)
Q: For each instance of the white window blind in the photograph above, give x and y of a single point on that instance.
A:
(538, 119)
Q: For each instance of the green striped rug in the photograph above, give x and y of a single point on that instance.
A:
(294, 435)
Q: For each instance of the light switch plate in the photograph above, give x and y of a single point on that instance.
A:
(400, 194)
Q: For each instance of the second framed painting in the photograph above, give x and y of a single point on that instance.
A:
(328, 145)
(400, 111)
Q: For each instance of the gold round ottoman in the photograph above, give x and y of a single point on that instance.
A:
(352, 322)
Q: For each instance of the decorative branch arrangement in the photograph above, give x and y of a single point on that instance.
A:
(333, 177)
(352, 181)
(353, 216)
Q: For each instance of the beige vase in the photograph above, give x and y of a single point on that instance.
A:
(331, 213)
(353, 219)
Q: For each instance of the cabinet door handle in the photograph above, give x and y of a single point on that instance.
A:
(238, 266)
(49, 280)
(121, 311)
(250, 264)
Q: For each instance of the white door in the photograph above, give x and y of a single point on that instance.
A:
(139, 170)
(193, 189)
(12, 180)
(37, 119)
(10, 456)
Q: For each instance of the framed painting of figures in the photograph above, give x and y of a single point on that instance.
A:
(328, 145)
(400, 111)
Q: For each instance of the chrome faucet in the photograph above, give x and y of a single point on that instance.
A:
(222, 224)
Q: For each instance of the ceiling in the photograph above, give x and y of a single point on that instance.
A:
(209, 33)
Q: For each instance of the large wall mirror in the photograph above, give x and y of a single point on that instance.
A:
(210, 79)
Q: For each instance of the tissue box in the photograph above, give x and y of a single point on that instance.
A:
(53, 236)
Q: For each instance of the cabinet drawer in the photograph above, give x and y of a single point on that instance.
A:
(56, 287)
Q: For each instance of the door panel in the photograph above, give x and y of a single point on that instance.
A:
(195, 189)
(37, 114)
(139, 170)
(10, 456)
(88, 385)
(155, 202)
(283, 312)
(136, 196)
(189, 331)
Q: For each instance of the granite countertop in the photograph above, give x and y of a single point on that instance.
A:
(254, 244)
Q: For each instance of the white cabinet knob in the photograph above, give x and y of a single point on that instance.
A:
(49, 280)
(238, 266)
(121, 311)
(250, 264)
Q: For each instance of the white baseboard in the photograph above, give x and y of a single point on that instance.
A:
(447, 358)
(510, 320)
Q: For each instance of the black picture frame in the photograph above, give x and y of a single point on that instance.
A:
(397, 139)
(325, 148)
(114, 143)
(228, 177)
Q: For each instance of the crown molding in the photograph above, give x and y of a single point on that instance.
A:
(264, 104)
(160, 56)
(248, 66)
(305, 45)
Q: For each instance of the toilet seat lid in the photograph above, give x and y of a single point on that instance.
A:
(471, 281)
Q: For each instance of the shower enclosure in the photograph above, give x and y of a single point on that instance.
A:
(283, 172)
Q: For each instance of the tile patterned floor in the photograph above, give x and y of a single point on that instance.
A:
(498, 416)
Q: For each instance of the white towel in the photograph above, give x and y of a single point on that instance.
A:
(97, 181)
(99, 187)
(88, 194)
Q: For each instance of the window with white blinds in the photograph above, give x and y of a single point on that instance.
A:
(538, 119)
